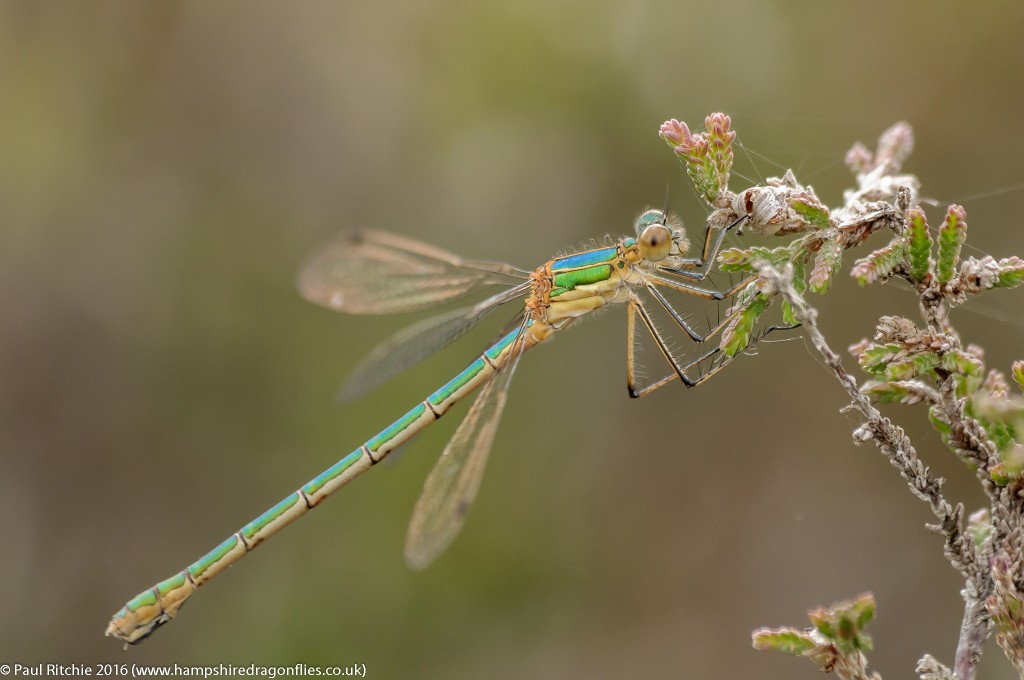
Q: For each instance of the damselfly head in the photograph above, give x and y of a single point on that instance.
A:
(659, 235)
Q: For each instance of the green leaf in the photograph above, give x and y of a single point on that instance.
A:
(977, 276)
(863, 610)
(951, 237)
(919, 244)
(702, 170)
(962, 363)
(1001, 434)
(966, 385)
(720, 138)
(814, 213)
(1011, 273)
(1005, 473)
(876, 358)
(788, 315)
(879, 265)
(915, 366)
(799, 261)
(799, 284)
(737, 334)
(823, 622)
(708, 156)
(826, 264)
(786, 640)
(742, 259)
(843, 623)
(736, 260)
(902, 392)
(979, 527)
(1006, 605)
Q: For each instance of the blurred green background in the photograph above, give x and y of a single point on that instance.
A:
(164, 169)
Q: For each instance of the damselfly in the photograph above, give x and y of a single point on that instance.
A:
(374, 272)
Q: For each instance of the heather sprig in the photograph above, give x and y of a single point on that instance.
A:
(952, 234)
(836, 642)
(933, 266)
(977, 412)
(783, 207)
(1006, 606)
(707, 155)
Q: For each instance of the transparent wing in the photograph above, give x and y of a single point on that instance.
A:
(452, 485)
(416, 342)
(373, 272)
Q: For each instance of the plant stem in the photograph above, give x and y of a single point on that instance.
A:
(973, 632)
(896, 446)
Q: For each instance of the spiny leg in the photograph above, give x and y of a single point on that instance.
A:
(679, 371)
(672, 377)
(669, 276)
(636, 308)
(653, 280)
(662, 279)
(682, 323)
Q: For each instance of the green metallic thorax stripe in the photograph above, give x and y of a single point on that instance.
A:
(317, 483)
(253, 527)
(582, 277)
(389, 433)
(587, 267)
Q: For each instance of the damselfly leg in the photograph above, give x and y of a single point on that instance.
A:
(668, 274)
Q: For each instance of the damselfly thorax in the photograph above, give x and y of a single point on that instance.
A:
(566, 288)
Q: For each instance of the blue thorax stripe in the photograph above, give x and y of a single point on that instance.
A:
(585, 259)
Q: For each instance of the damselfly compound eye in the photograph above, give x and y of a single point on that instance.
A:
(647, 218)
(655, 242)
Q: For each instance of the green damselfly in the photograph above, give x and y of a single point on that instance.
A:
(372, 272)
